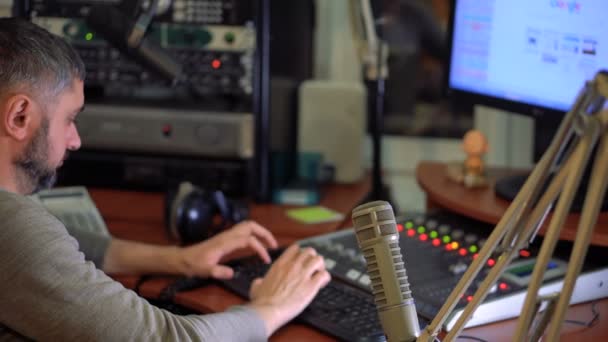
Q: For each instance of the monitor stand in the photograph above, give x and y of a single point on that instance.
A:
(508, 187)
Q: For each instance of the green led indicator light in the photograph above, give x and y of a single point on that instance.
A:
(433, 234)
(446, 239)
(229, 37)
(409, 225)
(473, 249)
(421, 230)
(88, 36)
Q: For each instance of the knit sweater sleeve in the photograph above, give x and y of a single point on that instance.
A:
(49, 291)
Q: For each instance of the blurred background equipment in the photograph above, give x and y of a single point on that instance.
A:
(331, 122)
(192, 101)
(415, 36)
(214, 42)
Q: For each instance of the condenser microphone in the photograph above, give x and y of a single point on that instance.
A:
(115, 27)
(378, 239)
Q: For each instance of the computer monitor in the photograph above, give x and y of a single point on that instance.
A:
(527, 57)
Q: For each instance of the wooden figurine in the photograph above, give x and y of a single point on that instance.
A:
(471, 173)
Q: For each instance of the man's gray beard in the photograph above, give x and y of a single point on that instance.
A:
(35, 175)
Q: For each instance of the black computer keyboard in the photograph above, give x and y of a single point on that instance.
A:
(338, 309)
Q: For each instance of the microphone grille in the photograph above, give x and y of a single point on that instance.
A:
(386, 215)
(388, 229)
(361, 221)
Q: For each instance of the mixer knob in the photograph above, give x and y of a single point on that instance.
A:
(444, 229)
(364, 280)
(419, 220)
(481, 242)
(432, 224)
(458, 268)
(350, 253)
(457, 234)
(470, 239)
(318, 244)
(353, 274)
(338, 247)
(322, 244)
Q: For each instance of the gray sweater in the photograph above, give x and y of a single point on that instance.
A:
(51, 289)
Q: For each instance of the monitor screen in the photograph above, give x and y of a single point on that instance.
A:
(528, 56)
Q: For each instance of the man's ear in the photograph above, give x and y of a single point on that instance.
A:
(18, 116)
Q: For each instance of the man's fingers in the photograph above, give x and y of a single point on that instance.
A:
(263, 233)
(290, 253)
(254, 285)
(257, 246)
(222, 272)
(314, 264)
(321, 279)
(305, 254)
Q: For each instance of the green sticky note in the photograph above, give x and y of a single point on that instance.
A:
(316, 214)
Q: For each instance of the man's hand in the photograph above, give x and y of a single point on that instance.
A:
(289, 286)
(204, 258)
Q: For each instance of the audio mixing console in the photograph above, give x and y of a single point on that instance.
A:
(437, 250)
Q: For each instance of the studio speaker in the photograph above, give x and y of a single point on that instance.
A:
(332, 117)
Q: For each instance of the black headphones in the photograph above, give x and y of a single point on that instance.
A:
(193, 214)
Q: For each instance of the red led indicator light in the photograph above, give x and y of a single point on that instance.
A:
(424, 237)
(491, 262)
(436, 242)
(475, 256)
(166, 130)
(448, 247)
(524, 253)
(503, 286)
(469, 298)
(411, 232)
(399, 227)
(462, 251)
(216, 64)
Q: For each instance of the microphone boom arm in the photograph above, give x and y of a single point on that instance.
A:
(584, 125)
(140, 27)
(375, 50)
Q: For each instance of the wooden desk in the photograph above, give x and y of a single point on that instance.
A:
(483, 205)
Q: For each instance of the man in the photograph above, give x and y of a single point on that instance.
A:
(54, 287)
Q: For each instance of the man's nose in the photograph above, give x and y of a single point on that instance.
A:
(74, 142)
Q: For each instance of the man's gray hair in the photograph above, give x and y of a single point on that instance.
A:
(32, 57)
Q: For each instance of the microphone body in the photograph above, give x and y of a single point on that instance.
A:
(115, 27)
(378, 239)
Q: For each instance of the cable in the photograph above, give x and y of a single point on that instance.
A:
(467, 337)
(591, 322)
